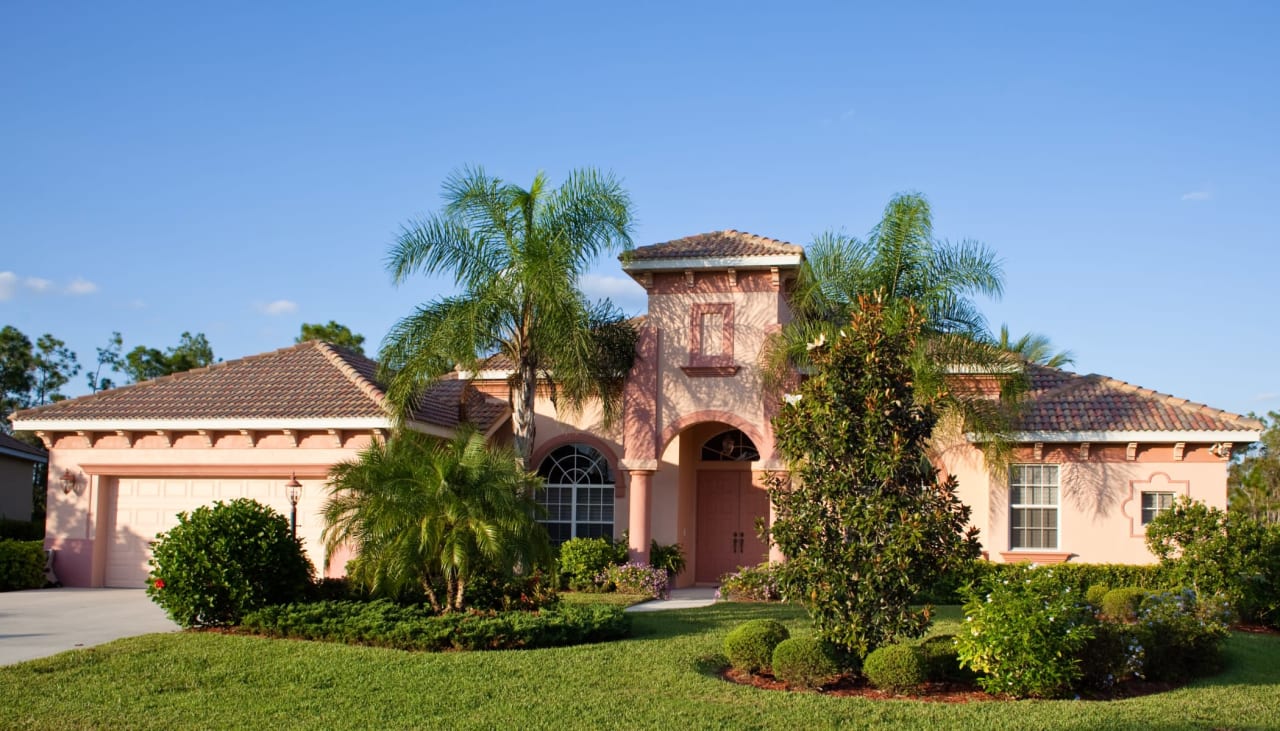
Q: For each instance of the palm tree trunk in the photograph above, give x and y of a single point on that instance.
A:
(462, 585)
(523, 392)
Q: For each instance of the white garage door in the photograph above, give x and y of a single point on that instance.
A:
(145, 506)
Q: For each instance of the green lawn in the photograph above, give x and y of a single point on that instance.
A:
(205, 680)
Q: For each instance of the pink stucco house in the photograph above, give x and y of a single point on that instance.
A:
(1097, 457)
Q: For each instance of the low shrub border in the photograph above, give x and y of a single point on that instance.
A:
(414, 627)
(750, 645)
(21, 565)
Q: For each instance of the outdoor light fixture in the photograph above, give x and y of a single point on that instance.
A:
(71, 482)
(293, 489)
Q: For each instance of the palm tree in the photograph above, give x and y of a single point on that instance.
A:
(425, 514)
(518, 256)
(1034, 348)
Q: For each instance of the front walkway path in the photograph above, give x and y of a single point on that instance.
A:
(44, 622)
(691, 598)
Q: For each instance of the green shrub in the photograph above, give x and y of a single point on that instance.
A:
(1094, 594)
(21, 530)
(752, 584)
(583, 560)
(1114, 653)
(21, 565)
(806, 662)
(750, 645)
(224, 560)
(942, 659)
(1121, 605)
(1024, 631)
(1180, 635)
(895, 668)
(668, 558)
(493, 590)
(636, 578)
(383, 623)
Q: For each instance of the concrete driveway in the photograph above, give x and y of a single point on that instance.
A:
(45, 622)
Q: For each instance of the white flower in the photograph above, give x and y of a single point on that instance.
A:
(792, 398)
(821, 341)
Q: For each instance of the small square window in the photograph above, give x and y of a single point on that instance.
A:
(1155, 503)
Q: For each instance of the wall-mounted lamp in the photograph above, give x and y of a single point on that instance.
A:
(293, 489)
(72, 482)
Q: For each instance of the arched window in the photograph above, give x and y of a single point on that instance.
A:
(579, 493)
(730, 446)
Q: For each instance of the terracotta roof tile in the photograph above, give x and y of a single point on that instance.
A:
(312, 380)
(1064, 401)
(716, 244)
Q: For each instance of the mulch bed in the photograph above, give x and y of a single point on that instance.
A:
(937, 692)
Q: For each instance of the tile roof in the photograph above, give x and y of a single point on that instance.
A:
(1063, 401)
(717, 244)
(311, 380)
(10, 444)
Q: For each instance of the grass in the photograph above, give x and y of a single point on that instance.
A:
(202, 680)
(611, 598)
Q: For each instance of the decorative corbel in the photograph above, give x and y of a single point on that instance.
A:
(1131, 452)
(646, 280)
(126, 435)
(733, 277)
(1037, 452)
(166, 435)
(251, 435)
(1178, 450)
(206, 435)
(775, 278)
(688, 278)
(291, 435)
(86, 435)
(45, 439)
(337, 436)
(380, 436)
(1084, 451)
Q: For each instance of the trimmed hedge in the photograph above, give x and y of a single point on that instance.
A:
(1121, 605)
(383, 623)
(1078, 576)
(895, 668)
(750, 645)
(21, 565)
(806, 662)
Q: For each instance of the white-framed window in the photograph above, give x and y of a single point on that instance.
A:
(1155, 503)
(578, 494)
(1033, 507)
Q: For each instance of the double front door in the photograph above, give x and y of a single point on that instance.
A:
(728, 506)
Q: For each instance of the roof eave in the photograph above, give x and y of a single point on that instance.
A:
(1125, 436)
(712, 262)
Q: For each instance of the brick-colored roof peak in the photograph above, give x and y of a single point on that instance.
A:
(727, 243)
(311, 380)
(1063, 401)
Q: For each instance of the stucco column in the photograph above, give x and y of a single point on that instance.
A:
(639, 529)
(775, 553)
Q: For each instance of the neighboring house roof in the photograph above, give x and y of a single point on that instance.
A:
(12, 447)
(1064, 403)
(309, 381)
(727, 244)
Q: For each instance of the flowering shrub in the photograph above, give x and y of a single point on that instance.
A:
(584, 560)
(1024, 630)
(751, 584)
(636, 578)
(1181, 634)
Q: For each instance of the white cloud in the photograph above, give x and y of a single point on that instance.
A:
(624, 292)
(80, 285)
(8, 283)
(279, 307)
(38, 284)
(1197, 195)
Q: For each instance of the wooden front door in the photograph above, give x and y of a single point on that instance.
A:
(728, 506)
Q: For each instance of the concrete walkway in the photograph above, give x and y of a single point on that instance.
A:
(44, 622)
(692, 598)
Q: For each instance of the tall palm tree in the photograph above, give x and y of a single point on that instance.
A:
(425, 514)
(518, 256)
(901, 262)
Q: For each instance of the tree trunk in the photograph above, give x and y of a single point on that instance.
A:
(523, 391)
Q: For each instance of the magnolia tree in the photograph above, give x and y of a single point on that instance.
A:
(864, 522)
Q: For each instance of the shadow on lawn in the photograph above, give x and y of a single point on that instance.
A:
(1248, 660)
(719, 617)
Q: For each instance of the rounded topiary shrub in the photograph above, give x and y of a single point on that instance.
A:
(806, 662)
(224, 560)
(750, 645)
(1121, 605)
(1094, 594)
(895, 668)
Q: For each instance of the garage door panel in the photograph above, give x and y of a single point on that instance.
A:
(143, 507)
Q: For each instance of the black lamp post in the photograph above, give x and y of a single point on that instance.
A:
(293, 489)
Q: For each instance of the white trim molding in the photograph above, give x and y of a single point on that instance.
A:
(713, 262)
(1101, 437)
(151, 425)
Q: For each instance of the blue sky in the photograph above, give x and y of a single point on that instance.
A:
(242, 170)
